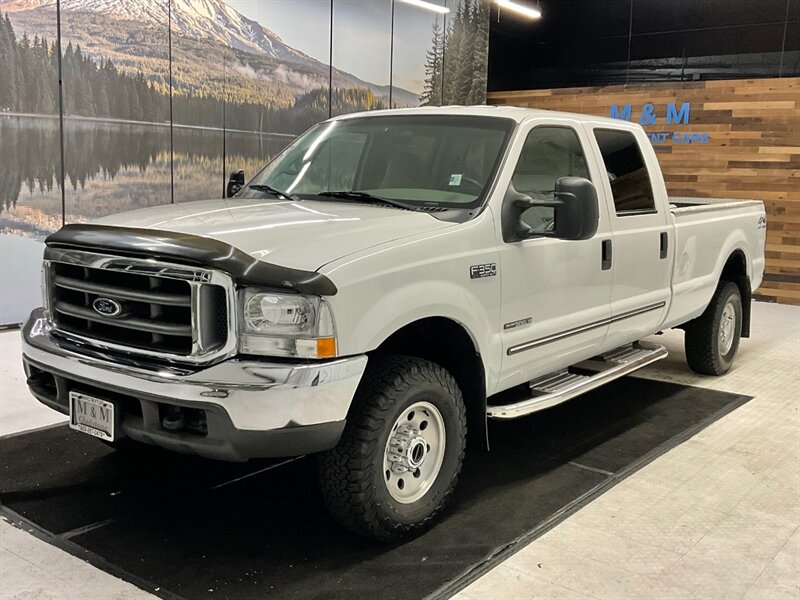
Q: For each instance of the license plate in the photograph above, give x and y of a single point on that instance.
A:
(91, 415)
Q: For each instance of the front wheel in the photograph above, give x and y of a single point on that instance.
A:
(712, 339)
(401, 451)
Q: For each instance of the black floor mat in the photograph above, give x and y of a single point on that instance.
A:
(178, 526)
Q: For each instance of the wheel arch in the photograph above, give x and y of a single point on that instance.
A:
(450, 344)
(735, 271)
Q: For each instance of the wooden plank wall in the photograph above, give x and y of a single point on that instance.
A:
(753, 150)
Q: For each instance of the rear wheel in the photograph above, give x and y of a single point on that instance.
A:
(401, 451)
(712, 339)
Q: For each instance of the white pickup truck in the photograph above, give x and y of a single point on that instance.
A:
(381, 288)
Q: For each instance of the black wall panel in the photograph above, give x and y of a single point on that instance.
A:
(598, 42)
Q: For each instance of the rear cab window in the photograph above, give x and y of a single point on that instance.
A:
(627, 172)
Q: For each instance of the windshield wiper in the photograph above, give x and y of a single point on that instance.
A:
(261, 187)
(367, 197)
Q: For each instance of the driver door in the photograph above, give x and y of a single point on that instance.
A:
(556, 293)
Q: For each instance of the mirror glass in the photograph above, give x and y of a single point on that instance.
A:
(539, 218)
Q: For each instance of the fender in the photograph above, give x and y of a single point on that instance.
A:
(384, 289)
(453, 302)
(735, 243)
(693, 289)
(743, 282)
(451, 344)
(732, 246)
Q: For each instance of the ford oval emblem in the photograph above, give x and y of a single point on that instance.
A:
(106, 307)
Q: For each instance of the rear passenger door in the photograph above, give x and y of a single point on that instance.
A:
(639, 249)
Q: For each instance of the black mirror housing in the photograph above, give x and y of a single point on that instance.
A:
(575, 207)
(577, 212)
(235, 183)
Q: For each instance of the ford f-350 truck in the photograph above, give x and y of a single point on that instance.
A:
(386, 284)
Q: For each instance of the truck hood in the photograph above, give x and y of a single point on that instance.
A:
(301, 235)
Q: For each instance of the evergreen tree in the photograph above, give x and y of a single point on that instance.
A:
(465, 51)
(103, 105)
(44, 101)
(68, 76)
(8, 64)
(432, 92)
(462, 67)
(26, 85)
(480, 54)
(453, 42)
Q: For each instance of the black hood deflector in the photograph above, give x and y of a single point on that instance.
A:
(190, 249)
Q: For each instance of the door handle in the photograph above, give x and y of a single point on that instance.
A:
(607, 252)
(664, 245)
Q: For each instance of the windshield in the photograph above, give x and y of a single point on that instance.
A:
(426, 160)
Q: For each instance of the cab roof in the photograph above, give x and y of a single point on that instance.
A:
(517, 113)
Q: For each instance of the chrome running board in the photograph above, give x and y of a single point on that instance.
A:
(555, 388)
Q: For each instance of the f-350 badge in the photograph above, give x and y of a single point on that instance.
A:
(481, 271)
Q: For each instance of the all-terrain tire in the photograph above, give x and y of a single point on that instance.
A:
(353, 479)
(708, 351)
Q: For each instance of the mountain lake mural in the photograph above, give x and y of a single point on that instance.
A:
(147, 122)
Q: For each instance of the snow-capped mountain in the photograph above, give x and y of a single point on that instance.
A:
(216, 23)
(203, 19)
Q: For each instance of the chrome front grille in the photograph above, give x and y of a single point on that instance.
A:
(156, 312)
(139, 305)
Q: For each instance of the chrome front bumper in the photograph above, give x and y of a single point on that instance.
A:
(245, 397)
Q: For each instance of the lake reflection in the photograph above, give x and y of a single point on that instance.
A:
(112, 167)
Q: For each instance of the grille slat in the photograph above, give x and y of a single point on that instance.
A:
(151, 296)
(152, 326)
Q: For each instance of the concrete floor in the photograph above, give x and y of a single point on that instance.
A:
(717, 517)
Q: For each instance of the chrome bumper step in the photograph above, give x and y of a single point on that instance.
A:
(560, 386)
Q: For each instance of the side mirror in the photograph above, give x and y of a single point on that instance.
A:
(235, 183)
(576, 212)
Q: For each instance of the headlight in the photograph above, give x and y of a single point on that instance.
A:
(286, 325)
(267, 313)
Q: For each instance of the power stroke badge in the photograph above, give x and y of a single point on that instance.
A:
(519, 323)
(481, 271)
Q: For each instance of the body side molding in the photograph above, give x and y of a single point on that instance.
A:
(582, 328)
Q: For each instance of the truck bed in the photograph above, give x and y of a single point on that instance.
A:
(709, 230)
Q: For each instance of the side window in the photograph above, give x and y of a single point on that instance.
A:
(627, 172)
(549, 154)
